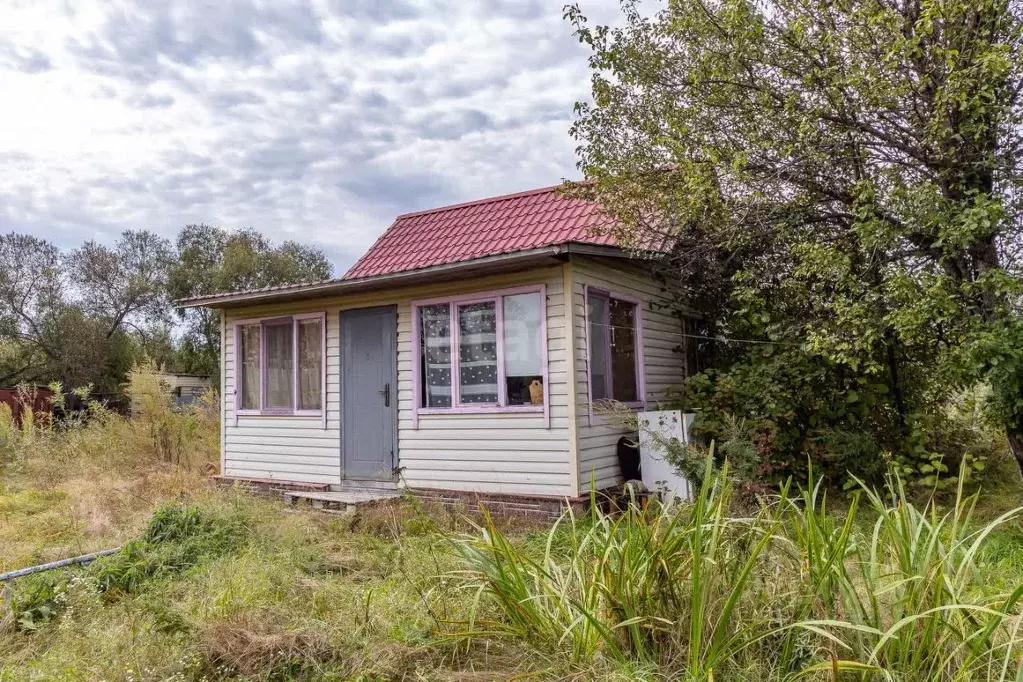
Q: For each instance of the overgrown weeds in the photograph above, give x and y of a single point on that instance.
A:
(792, 590)
(87, 480)
(176, 539)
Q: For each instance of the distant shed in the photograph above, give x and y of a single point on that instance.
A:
(185, 388)
(39, 397)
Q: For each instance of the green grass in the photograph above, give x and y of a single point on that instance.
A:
(216, 584)
(923, 592)
(230, 586)
(254, 590)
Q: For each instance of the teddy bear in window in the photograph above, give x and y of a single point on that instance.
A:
(536, 392)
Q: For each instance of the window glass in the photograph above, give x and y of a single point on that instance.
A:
(523, 349)
(477, 353)
(435, 355)
(279, 365)
(623, 350)
(310, 364)
(597, 314)
(250, 367)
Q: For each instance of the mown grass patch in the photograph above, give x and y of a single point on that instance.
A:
(230, 586)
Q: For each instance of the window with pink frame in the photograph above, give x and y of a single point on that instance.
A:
(484, 352)
(281, 365)
(615, 347)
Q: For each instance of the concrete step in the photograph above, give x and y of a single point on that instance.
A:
(359, 485)
(347, 500)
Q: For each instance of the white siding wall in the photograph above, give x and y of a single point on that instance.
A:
(497, 453)
(285, 448)
(598, 437)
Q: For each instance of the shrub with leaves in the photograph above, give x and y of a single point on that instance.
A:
(176, 539)
(35, 599)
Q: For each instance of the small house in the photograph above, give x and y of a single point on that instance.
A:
(463, 353)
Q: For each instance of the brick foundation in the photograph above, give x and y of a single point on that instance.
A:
(269, 487)
(501, 504)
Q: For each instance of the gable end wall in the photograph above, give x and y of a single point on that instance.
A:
(664, 367)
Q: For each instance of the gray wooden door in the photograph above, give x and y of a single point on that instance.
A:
(369, 396)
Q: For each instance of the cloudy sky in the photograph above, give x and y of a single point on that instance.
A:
(314, 120)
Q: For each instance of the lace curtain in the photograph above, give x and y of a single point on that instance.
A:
(477, 353)
(310, 364)
(279, 364)
(435, 337)
(250, 367)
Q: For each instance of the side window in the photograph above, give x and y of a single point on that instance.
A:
(614, 347)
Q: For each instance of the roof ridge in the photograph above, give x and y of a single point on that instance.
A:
(477, 202)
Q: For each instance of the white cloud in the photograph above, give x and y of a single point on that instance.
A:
(314, 120)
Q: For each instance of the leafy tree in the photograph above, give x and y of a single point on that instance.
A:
(126, 283)
(71, 317)
(212, 260)
(849, 175)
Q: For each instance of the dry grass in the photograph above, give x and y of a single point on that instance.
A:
(305, 596)
(89, 483)
(250, 644)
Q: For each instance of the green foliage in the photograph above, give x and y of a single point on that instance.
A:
(88, 315)
(176, 539)
(70, 317)
(36, 599)
(837, 184)
(213, 260)
(997, 356)
(793, 590)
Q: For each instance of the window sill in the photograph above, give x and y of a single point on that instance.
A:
(280, 413)
(633, 405)
(481, 409)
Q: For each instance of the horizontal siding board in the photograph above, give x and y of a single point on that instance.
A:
(494, 465)
(234, 470)
(491, 476)
(291, 466)
(662, 338)
(534, 449)
(320, 448)
(497, 487)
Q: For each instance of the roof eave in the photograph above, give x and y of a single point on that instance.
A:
(395, 279)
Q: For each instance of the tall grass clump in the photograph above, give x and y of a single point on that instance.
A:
(889, 590)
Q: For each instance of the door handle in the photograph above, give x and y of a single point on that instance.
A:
(387, 394)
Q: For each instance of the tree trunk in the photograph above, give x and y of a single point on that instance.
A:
(893, 371)
(1014, 435)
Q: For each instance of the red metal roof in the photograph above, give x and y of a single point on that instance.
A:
(489, 227)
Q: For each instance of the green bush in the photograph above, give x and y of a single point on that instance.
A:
(176, 539)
